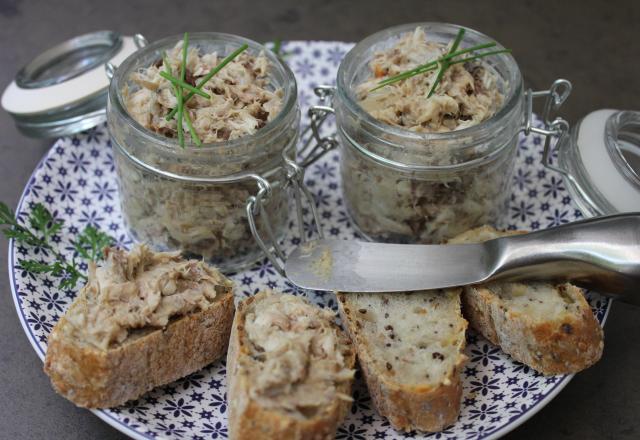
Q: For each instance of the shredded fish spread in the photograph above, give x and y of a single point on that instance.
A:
(297, 349)
(466, 95)
(241, 100)
(140, 289)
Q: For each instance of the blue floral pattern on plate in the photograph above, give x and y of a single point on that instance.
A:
(76, 182)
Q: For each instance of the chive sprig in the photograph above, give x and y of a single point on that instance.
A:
(444, 65)
(210, 75)
(184, 85)
(179, 85)
(444, 62)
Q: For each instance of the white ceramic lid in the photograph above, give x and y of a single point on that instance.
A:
(609, 145)
(63, 89)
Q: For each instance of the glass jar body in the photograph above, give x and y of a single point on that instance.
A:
(194, 200)
(200, 219)
(397, 206)
(407, 187)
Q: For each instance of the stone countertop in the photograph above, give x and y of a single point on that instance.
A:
(588, 42)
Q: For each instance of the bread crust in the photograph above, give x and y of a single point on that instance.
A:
(554, 347)
(560, 346)
(95, 378)
(425, 408)
(248, 420)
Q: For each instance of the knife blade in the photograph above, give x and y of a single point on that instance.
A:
(354, 266)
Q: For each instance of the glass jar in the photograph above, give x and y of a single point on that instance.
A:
(195, 199)
(63, 90)
(408, 187)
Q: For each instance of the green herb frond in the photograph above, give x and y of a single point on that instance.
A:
(40, 233)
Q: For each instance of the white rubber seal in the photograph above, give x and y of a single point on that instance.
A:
(19, 101)
(602, 171)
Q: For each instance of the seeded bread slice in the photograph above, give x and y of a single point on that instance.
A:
(549, 327)
(95, 378)
(410, 348)
(143, 319)
(282, 386)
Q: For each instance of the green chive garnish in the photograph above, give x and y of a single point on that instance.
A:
(445, 64)
(184, 85)
(482, 55)
(277, 46)
(448, 59)
(194, 135)
(179, 119)
(187, 119)
(210, 75)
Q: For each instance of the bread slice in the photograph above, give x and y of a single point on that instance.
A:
(549, 327)
(410, 348)
(92, 370)
(289, 370)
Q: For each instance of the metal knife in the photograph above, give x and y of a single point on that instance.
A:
(601, 253)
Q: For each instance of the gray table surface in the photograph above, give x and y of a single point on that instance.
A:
(593, 44)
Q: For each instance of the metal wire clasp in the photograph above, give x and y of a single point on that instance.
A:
(139, 40)
(301, 194)
(318, 114)
(309, 153)
(255, 207)
(557, 128)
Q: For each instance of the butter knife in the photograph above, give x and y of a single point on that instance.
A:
(601, 253)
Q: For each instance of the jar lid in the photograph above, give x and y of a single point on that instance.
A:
(603, 162)
(63, 90)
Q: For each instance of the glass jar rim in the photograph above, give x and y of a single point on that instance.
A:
(171, 145)
(488, 126)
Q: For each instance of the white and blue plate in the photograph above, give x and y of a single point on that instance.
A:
(76, 181)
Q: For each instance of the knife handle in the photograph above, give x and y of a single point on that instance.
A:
(601, 253)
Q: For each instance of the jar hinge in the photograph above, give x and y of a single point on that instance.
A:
(557, 128)
(308, 154)
(139, 40)
(255, 208)
(318, 114)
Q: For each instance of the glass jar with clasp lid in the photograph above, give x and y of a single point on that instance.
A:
(227, 200)
(405, 186)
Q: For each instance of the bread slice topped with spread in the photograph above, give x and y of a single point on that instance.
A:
(289, 370)
(549, 327)
(143, 319)
(410, 348)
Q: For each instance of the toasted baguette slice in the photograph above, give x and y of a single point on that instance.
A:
(290, 370)
(410, 348)
(549, 327)
(94, 376)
